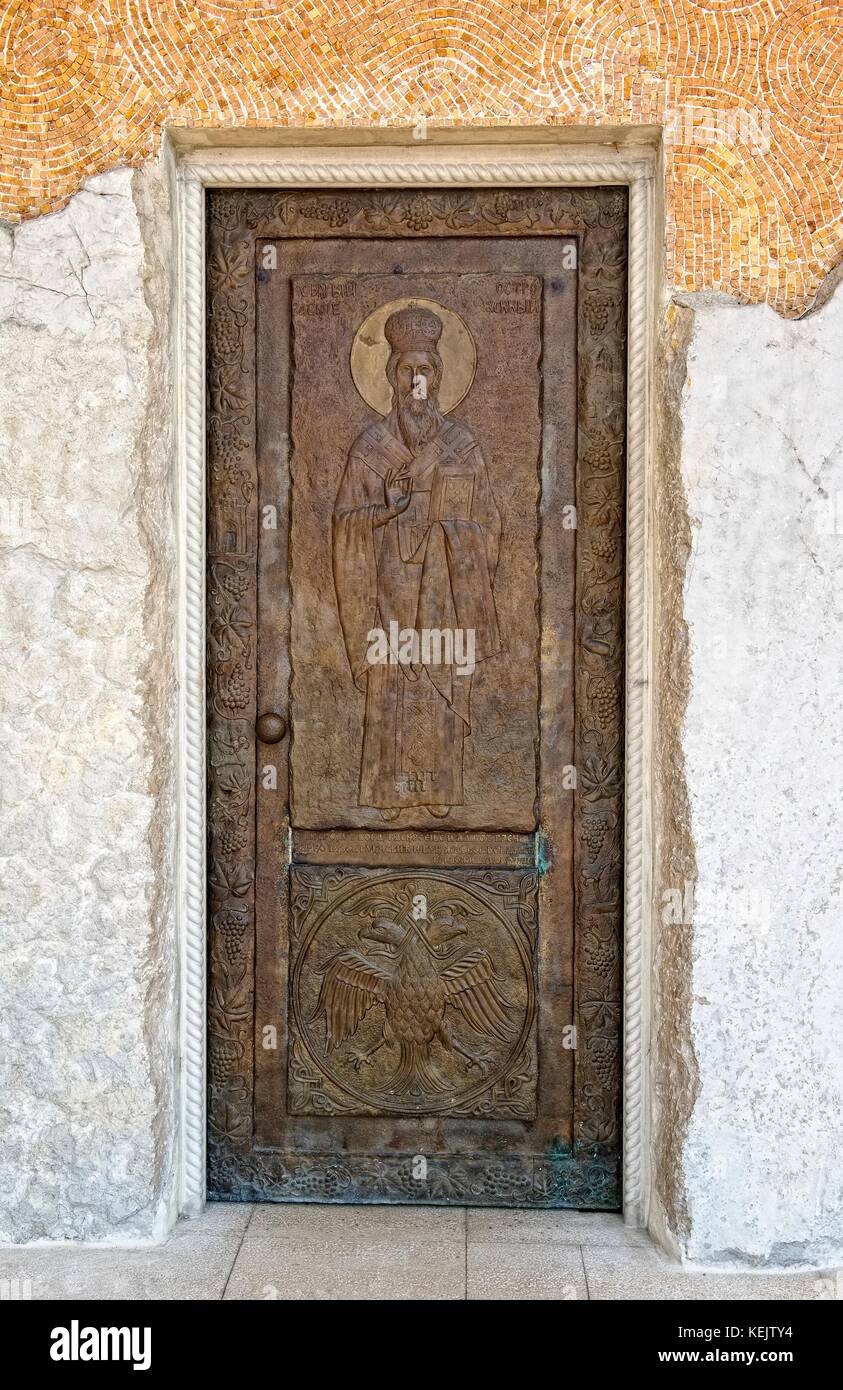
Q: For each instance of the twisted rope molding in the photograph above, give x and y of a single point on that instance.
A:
(636, 820)
(350, 170)
(195, 175)
(193, 847)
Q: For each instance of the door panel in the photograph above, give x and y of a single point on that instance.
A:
(478, 756)
(415, 869)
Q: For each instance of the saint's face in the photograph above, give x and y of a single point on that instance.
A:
(415, 377)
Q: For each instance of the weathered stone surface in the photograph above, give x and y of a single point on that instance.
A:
(763, 749)
(86, 731)
(673, 1063)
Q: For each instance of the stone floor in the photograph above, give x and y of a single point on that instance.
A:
(321, 1252)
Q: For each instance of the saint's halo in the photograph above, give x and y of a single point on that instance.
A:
(370, 354)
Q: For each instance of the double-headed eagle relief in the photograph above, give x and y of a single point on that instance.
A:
(417, 968)
(413, 993)
(416, 535)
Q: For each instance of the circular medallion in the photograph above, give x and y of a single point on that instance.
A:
(415, 996)
(370, 354)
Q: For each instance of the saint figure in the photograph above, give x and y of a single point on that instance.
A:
(415, 547)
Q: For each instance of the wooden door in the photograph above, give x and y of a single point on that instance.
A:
(415, 694)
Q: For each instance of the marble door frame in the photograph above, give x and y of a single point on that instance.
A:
(394, 159)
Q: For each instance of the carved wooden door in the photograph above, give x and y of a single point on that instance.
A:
(415, 694)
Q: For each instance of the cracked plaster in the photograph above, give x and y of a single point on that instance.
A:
(86, 647)
(748, 757)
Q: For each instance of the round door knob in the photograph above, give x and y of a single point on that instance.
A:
(270, 727)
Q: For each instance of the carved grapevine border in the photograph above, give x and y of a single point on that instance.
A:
(236, 219)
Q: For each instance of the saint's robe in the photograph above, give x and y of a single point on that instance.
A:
(432, 567)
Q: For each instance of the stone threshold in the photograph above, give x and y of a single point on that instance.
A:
(341, 1253)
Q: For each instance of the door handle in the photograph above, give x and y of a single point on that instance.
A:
(270, 727)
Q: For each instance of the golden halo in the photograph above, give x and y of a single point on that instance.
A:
(370, 354)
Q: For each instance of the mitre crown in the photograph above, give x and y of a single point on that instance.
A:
(413, 330)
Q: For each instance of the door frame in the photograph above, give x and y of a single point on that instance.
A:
(548, 162)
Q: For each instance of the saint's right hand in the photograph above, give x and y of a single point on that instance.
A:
(399, 490)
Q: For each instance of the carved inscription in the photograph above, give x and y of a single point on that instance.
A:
(435, 848)
(413, 994)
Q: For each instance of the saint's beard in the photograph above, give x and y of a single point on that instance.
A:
(418, 421)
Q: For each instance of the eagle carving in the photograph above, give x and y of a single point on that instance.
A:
(422, 971)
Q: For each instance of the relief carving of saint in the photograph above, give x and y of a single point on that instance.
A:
(416, 534)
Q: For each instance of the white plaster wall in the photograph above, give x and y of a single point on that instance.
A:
(763, 469)
(87, 735)
(86, 718)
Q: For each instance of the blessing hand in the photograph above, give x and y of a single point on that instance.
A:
(399, 490)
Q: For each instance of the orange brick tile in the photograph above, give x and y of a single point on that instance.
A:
(749, 92)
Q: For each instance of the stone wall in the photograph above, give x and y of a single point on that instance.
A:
(762, 468)
(748, 773)
(749, 765)
(87, 622)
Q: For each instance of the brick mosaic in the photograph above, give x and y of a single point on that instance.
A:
(749, 93)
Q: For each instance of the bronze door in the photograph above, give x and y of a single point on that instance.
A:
(415, 695)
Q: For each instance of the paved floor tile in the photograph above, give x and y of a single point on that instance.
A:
(615, 1273)
(237, 1251)
(315, 1222)
(517, 1270)
(193, 1264)
(555, 1227)
(342, 1253)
